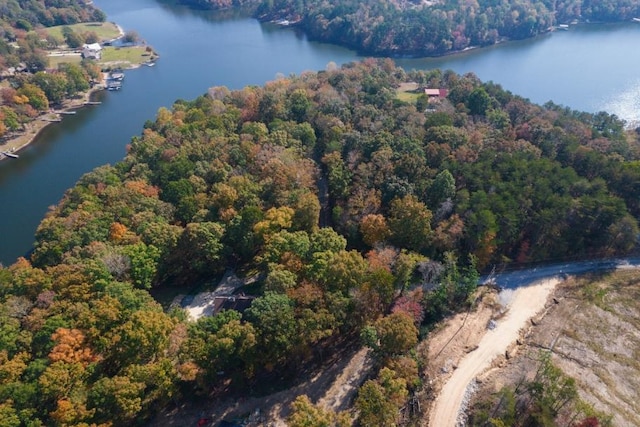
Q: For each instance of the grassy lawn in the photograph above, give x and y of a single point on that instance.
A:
(112, 57)
(104, 30)
(407, 93)
(408, 97)
(55, 61)
(123, 56)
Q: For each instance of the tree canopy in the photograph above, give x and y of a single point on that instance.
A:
(408, 27)
(359, 215)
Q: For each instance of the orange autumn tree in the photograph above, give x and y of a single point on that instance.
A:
(70, 347)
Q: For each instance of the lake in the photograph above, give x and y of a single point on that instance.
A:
(587, 68)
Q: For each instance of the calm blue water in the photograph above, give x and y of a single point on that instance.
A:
(588, 68)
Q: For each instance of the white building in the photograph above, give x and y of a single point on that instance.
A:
(92, 51)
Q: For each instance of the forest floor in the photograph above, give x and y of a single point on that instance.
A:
(593, 333)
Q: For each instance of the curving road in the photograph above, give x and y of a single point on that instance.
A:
(526, 302)
(533, 286)
(517, 278)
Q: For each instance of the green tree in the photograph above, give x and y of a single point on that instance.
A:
(273, 318)
(306, 414)
(116, 399)
(143, 264)
(36, 61)
(298, 104)
(379, 400)
(9, 118)
(71, 38)
(141, 338)
(37, 97)
(54, 85)
(443, 188)
(9, 415)
(221, 343)
(396, 334)
(198, 251)
(77, 78)
(410, 223)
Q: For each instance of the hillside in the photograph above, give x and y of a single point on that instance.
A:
(427, 28)
(592, 335)
(351, 212)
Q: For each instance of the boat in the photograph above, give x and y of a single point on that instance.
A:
(13, 156)
(636, 19)
(149, 64)
(117, 76)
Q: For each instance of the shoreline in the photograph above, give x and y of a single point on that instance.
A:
(33, 129)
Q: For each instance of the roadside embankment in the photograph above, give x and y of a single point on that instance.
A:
(523, 304)
(592, 333)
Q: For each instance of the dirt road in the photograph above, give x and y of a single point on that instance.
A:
(526, 302)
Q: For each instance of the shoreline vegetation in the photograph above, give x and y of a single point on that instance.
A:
(410, 28)
(20, 139)
(31, 130)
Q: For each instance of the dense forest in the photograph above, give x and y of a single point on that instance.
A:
(428, 28)
(361, 216)
(28, 86)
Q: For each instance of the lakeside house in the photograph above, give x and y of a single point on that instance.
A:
(12, 71)
(436, 94)
(232, 302)
(91, 51)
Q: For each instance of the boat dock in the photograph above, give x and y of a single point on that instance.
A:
(68, 113)
(114, 79)
(93, 103)
(114, 84)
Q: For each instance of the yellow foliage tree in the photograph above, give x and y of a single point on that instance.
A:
(374, 229)
(275, 219)
(117, 232)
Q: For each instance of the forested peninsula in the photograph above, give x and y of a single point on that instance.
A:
(358, 203)
(425, 27)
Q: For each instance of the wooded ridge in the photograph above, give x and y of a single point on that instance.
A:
(358, 213)
(427, 28)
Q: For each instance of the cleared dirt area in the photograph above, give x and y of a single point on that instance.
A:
(593, 332)
(484, 346)
(334, 388)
